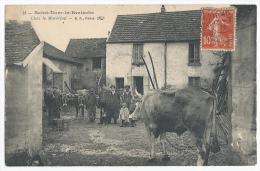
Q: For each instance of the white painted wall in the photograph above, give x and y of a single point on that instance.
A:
(119, 57)
(118, 61)
(178, 69)
(23, 105)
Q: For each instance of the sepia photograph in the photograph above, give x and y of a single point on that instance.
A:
(130, 85)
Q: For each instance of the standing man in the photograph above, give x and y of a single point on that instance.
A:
(48, 104)
(112, 105)
(127, 96)
(57, 103)
(81, 102)
(91, 103)
(101, 104)
(75, 102)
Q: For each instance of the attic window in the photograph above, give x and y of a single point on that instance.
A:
(137, 54)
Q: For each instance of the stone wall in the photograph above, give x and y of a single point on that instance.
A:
(23, 108)
(70, 71)
(244, 85)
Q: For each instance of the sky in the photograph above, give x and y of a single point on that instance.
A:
(98, 19)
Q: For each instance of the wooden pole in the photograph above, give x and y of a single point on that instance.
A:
(68, 87)
(148, 72)
(165, 65)
(154, 74)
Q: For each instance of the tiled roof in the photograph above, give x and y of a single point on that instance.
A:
(86, 48)
(20, 40)
(154, 27)
(52, 52)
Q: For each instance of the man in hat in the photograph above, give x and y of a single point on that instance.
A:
(48, 103)
(101, 104)
(91, 103)
(112, 105)
(57, 103)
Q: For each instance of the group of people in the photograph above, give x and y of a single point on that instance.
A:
(113, 104)
(116, 106)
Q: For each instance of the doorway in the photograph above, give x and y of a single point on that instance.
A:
(139, 84)
(119, 83)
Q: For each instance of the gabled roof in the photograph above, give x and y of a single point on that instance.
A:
(52, 52)
(86, 48)
(20, 40)
(157, 27)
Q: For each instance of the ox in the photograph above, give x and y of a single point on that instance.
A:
(189, 109)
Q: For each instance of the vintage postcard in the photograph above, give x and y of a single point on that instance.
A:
(130, 85)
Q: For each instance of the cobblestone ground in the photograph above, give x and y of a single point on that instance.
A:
(88, 144)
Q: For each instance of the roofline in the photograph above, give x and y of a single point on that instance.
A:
(87, 38)
(156, 41)
(108, 37)
(63, 60)
(69, 60)
(110, 42)
(103, 56)
(160, 13)
(34, 51)
(28, 57)
(83, 39)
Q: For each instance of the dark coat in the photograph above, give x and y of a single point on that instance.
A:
(55, 105)
(112, 104)
(91, 100)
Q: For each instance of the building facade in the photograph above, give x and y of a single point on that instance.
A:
(171, 38)
(91, 53)
(23, 87)
(59, 69)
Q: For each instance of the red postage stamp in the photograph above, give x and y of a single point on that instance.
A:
(218, 29)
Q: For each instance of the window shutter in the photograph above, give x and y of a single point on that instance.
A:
(191, 52)
(141, 48)
(134, 53)
(197, 52)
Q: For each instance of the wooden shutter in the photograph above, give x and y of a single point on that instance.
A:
(191, 53)
(140, 50)
(196, 53)
(134, 54)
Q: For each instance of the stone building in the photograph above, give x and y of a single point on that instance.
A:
(173, 40)
(59, 69)
(91, 53)
(23, 87)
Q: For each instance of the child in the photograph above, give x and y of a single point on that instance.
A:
(133, 115)
(124, 115)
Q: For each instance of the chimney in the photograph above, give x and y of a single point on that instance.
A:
(163, 9)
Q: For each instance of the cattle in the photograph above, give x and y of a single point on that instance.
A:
(188, 109)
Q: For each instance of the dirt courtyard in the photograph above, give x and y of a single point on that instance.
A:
(92, 144)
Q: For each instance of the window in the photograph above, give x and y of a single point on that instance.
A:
(120, 83)
(194, 81)
(137, 53)
(96, 63)
(194, 53)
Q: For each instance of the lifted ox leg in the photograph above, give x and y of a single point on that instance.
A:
(203, 155)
